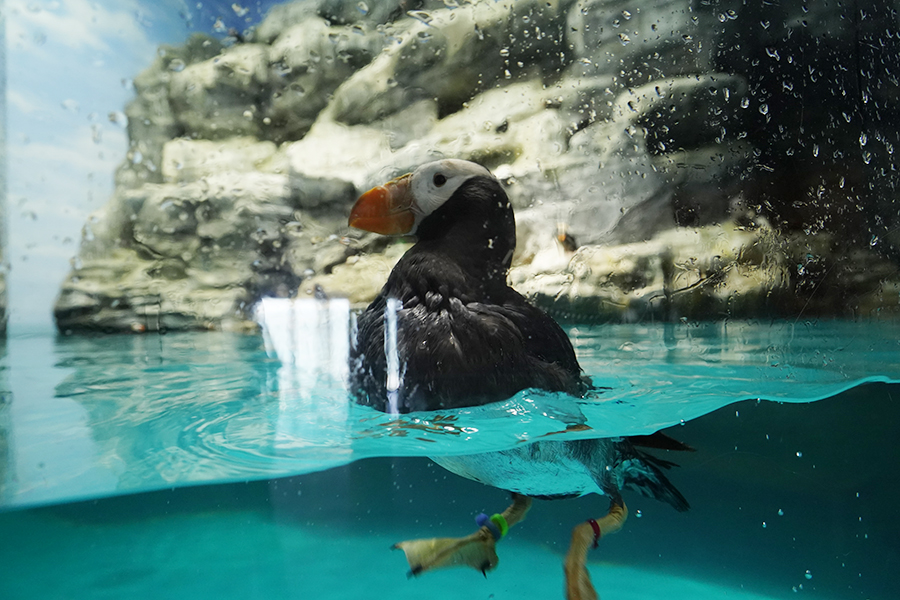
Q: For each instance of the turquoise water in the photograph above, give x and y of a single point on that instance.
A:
(208, 465)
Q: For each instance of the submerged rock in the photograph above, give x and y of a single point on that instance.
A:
(661, 143)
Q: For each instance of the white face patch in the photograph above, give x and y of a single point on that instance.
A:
(433, 183)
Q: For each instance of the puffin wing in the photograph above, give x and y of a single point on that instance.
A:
(543, 341)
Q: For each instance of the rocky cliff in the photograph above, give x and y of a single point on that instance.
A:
(674, 159)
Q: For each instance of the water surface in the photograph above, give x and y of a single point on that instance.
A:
(88, 417)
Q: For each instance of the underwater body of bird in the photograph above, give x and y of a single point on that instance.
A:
(447, 331)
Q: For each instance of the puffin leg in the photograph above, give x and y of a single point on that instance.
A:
(476, 550)
(584, 536)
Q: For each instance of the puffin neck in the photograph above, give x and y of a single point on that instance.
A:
(475, 228)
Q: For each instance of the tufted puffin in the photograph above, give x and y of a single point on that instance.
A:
(446, 331)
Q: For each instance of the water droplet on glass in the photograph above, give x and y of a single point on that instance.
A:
(421, 15)
(863, 139)
(763, 109)
(745, 102)
(780, 513)
(504, 52)
(626, 15)
(764, 524)
(808, 575)
(773, 53)
(874, 241)
(799, 454)
(624, 39)
(363, 8)
(638, 514)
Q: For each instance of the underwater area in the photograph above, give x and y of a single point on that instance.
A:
(705, 198)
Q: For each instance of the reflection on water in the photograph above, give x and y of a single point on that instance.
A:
(311, 341)
(93, 416)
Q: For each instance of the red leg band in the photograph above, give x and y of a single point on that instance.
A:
(596, 527)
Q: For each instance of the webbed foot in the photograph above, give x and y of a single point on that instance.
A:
(477, 550)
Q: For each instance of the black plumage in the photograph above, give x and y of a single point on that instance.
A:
(465, 338)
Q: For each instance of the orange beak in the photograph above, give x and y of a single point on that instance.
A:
(386, 209)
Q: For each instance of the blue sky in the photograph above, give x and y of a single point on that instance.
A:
(69, 65)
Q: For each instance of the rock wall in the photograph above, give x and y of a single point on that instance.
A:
(700, 158)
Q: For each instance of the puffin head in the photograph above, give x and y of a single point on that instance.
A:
(400, 205)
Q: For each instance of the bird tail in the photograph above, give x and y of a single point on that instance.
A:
(643, 473)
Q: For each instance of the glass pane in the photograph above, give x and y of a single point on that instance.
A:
(235, 328)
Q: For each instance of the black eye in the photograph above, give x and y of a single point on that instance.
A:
(439, 179)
